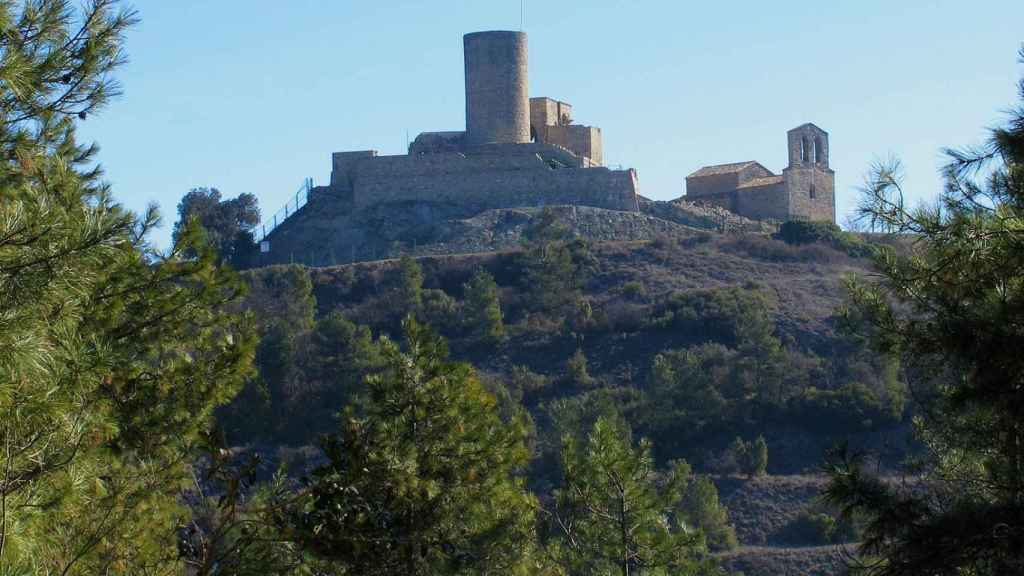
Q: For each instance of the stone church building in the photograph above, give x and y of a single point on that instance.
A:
(805, 190)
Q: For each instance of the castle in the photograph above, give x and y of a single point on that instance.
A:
(804, 191)
(515, 151)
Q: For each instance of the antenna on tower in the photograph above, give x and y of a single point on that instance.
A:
(522, 14)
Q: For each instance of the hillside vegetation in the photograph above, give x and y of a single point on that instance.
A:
(702, 343)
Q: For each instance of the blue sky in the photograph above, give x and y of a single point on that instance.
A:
(254, 96)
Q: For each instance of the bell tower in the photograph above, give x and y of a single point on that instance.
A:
(810, 183)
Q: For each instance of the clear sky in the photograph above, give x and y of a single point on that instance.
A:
(254, 95)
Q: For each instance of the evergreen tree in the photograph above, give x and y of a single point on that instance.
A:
(483, 308)
(701, 509)
(556, 264)
(410, 286)
(615, 516)
(421, 478)
(114, 356)
(576, 369)
(759, 457)
(951, 307)
(739, 453)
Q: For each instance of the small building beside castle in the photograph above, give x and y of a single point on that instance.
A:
(804, 191)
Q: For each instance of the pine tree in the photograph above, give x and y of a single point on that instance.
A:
(556, 264)
(410, 286)
(114, 355)
(483, 308)
(615, 516)
(702, 509)
(951, 308)
(759, 457)
(421, 478)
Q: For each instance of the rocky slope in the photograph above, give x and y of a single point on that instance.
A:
(322, 234)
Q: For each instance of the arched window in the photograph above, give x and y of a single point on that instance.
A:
(804, 149)
(812, 192)
(819, 151)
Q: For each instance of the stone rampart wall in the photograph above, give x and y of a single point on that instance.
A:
(502, 188)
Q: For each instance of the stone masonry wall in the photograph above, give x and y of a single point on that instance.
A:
(802, 205)
(497, 95)
(548, 112)
(581, 140)
(755, 202)
(342, 164)
(763, 202)
(486, 189)
(724, 182)
(715, 185)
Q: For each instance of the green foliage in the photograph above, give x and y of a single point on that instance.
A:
(439, 309)
(749, 458)
(739, 454)
(759, 457)
(305, 377)
(701, 509)
(731, 316)
(614, 515)
(421, 477)
(556, 265)
(817, 525)
(228, 224)
(810, 528)
(483, 308)
(952, 310)
(634, 291)
(114, 356)
(409, 293)
(527, 384)
(576, 369)
(234, 528)
(807, 232)
(745, 375)
(283, 296)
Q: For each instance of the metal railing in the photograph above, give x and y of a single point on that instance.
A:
(290, 208)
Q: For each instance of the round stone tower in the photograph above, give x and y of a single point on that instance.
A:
(497, 101)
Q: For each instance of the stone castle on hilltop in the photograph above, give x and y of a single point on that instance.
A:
(516, 153)
(804, 191)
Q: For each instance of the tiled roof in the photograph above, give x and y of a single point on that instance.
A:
(764, 181)
(721, 169)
